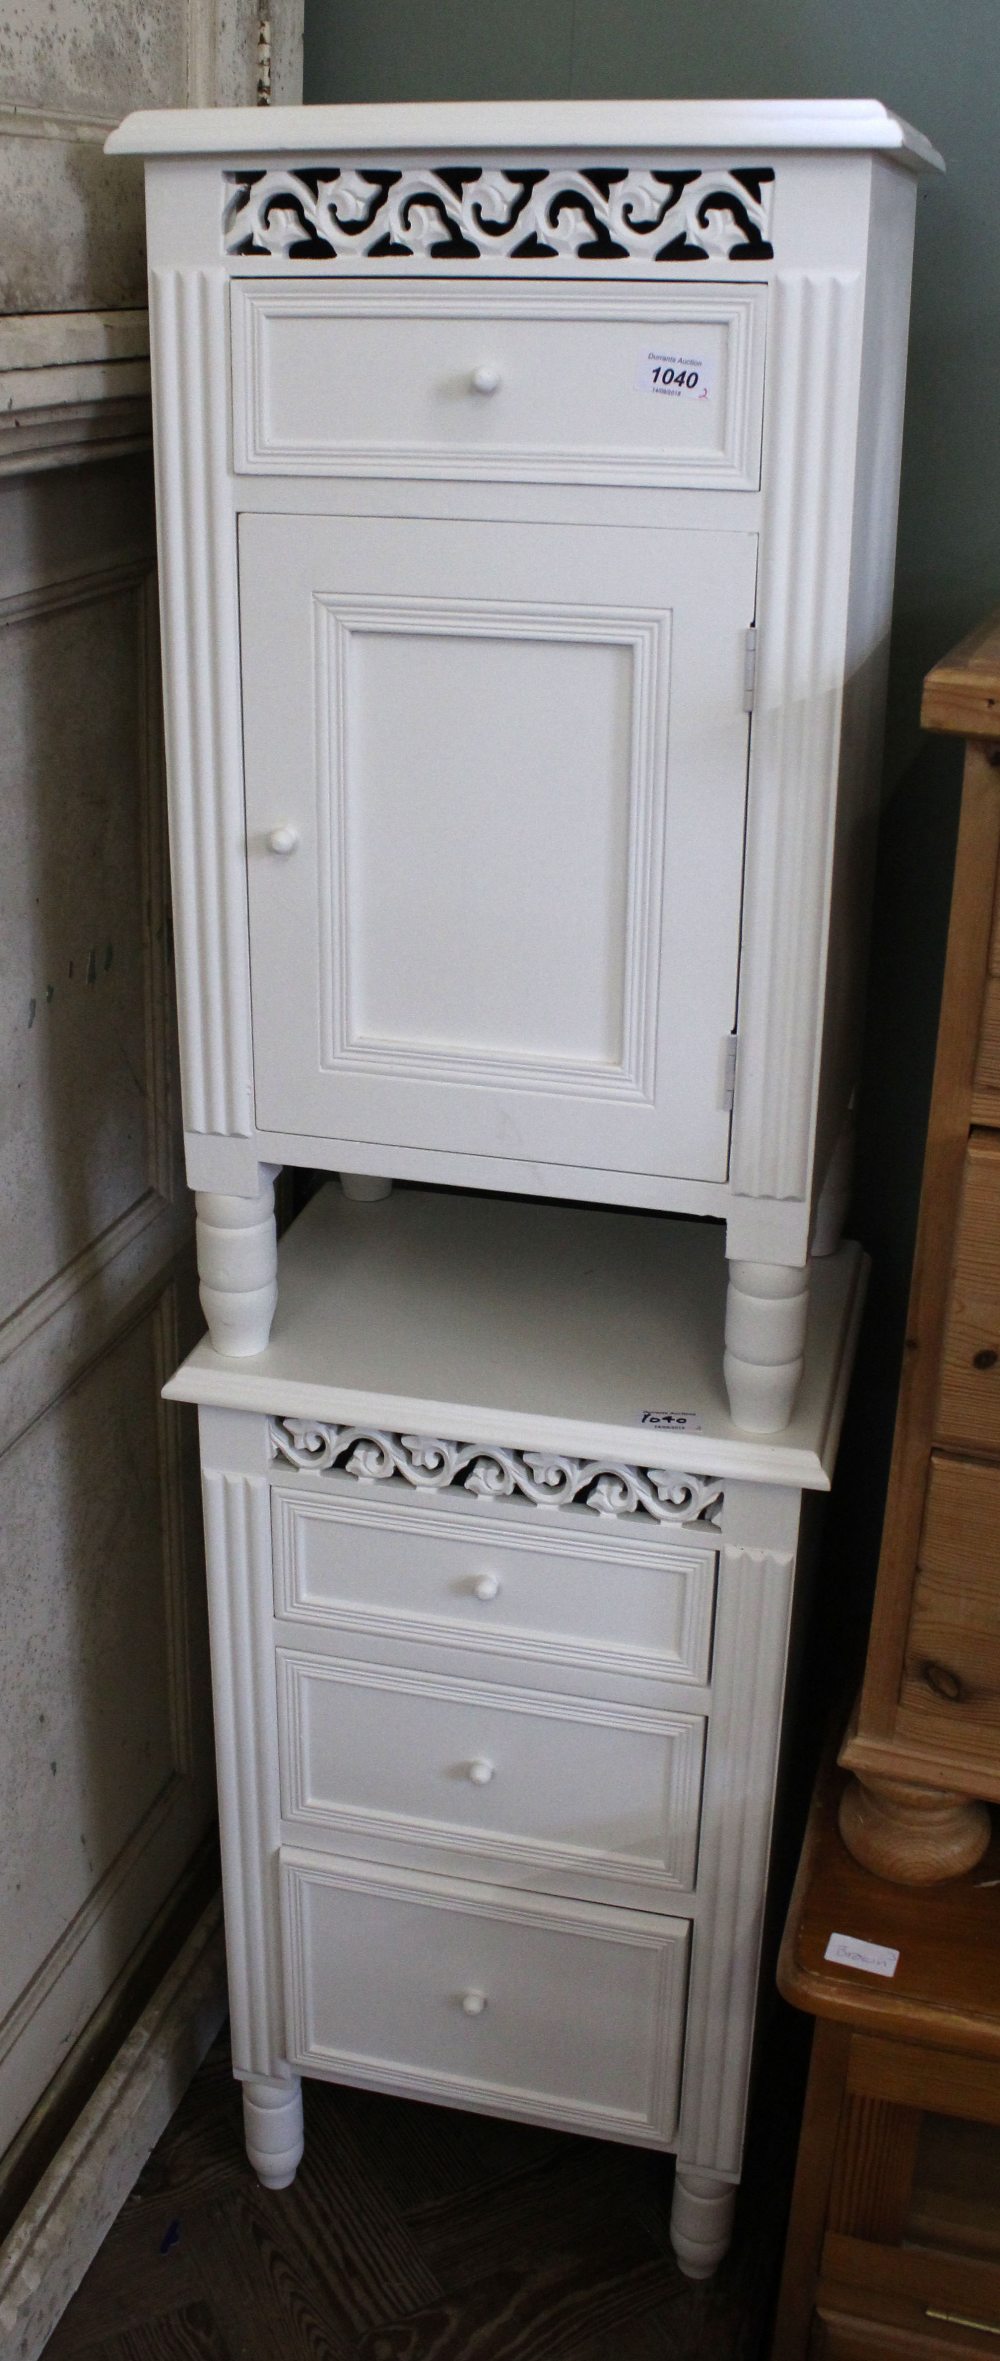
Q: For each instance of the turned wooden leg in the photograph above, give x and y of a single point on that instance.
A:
(238, 1265)
(701, 2220)
(365, 1187)
(272, 2123)
(912, 1835)
(766, 1312)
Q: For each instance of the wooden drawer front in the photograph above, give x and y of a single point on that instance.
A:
(969, 1406)
(904, 2301)
(551, 1784)
(516, 2004)
(986, 1085)
(362, 380)
(951, 1674)
(570, 1594)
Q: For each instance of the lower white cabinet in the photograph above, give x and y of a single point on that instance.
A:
(499, 1682)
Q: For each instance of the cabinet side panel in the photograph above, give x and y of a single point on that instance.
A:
(810, 438)
(202, 697)
(751, 1647)
(873, 551)
(238, 1551)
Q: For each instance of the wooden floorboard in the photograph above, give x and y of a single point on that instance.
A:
(414, 2233)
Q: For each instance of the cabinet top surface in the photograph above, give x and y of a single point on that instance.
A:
(506, 1321)
(962, 692)
(746, 125)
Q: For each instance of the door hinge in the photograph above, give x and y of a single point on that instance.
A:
(749, 668)
(729, 1047)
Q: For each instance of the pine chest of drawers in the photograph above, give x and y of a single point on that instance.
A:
(501, 1605)
(527, 485)
(925, 1742)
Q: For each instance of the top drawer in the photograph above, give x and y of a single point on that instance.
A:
(543, 1588)
(626, 385)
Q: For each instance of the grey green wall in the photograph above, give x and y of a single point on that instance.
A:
(938, 63)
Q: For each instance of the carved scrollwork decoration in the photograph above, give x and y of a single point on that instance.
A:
(475, 212)
(548, 1479)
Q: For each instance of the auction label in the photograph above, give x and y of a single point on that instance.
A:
(680, 376)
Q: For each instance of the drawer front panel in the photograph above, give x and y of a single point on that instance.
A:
(986, 1084)
(518, 2005)
(551, 1783)
(951, 1675)
(626, 1602)
(969, 1406)
(627, 386)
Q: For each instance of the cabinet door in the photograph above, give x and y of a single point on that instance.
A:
(509, 765)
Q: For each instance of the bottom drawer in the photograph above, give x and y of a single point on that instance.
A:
(565, 2012)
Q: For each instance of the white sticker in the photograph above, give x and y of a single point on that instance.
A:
(875, 1959)
(672, 1422)
(679, 376)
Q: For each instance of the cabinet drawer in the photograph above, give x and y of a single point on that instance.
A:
(570, 1594)
(951, 1673)
(516, 2004)
(552, 1784)
(969, 1406)
(879, 2300)
(986, 1084)
(368, 380)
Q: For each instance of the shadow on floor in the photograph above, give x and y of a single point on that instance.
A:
(414, 2233)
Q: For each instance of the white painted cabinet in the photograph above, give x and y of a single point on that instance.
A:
(499, 1633)
(527, 483)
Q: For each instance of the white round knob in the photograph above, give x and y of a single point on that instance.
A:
(473, 2003)
(485, 379)
(486, 1586)
(283, 840)
(481, 1772)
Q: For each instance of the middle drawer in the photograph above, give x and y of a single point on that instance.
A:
(968, 1410)
(576, 1796)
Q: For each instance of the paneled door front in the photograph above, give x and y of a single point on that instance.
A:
(496, 784)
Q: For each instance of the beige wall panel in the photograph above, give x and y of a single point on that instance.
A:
(73, 227)
(98, 1714)
(60, 524)
(72, 1014)
(84, 57)
(103, 1657)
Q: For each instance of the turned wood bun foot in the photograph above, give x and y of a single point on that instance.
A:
(912, 1835)
(365, 1187)
(701, 2220)
(237, 1248)
(272, 2123)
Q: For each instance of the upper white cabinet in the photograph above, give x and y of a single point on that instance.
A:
(527, 486)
